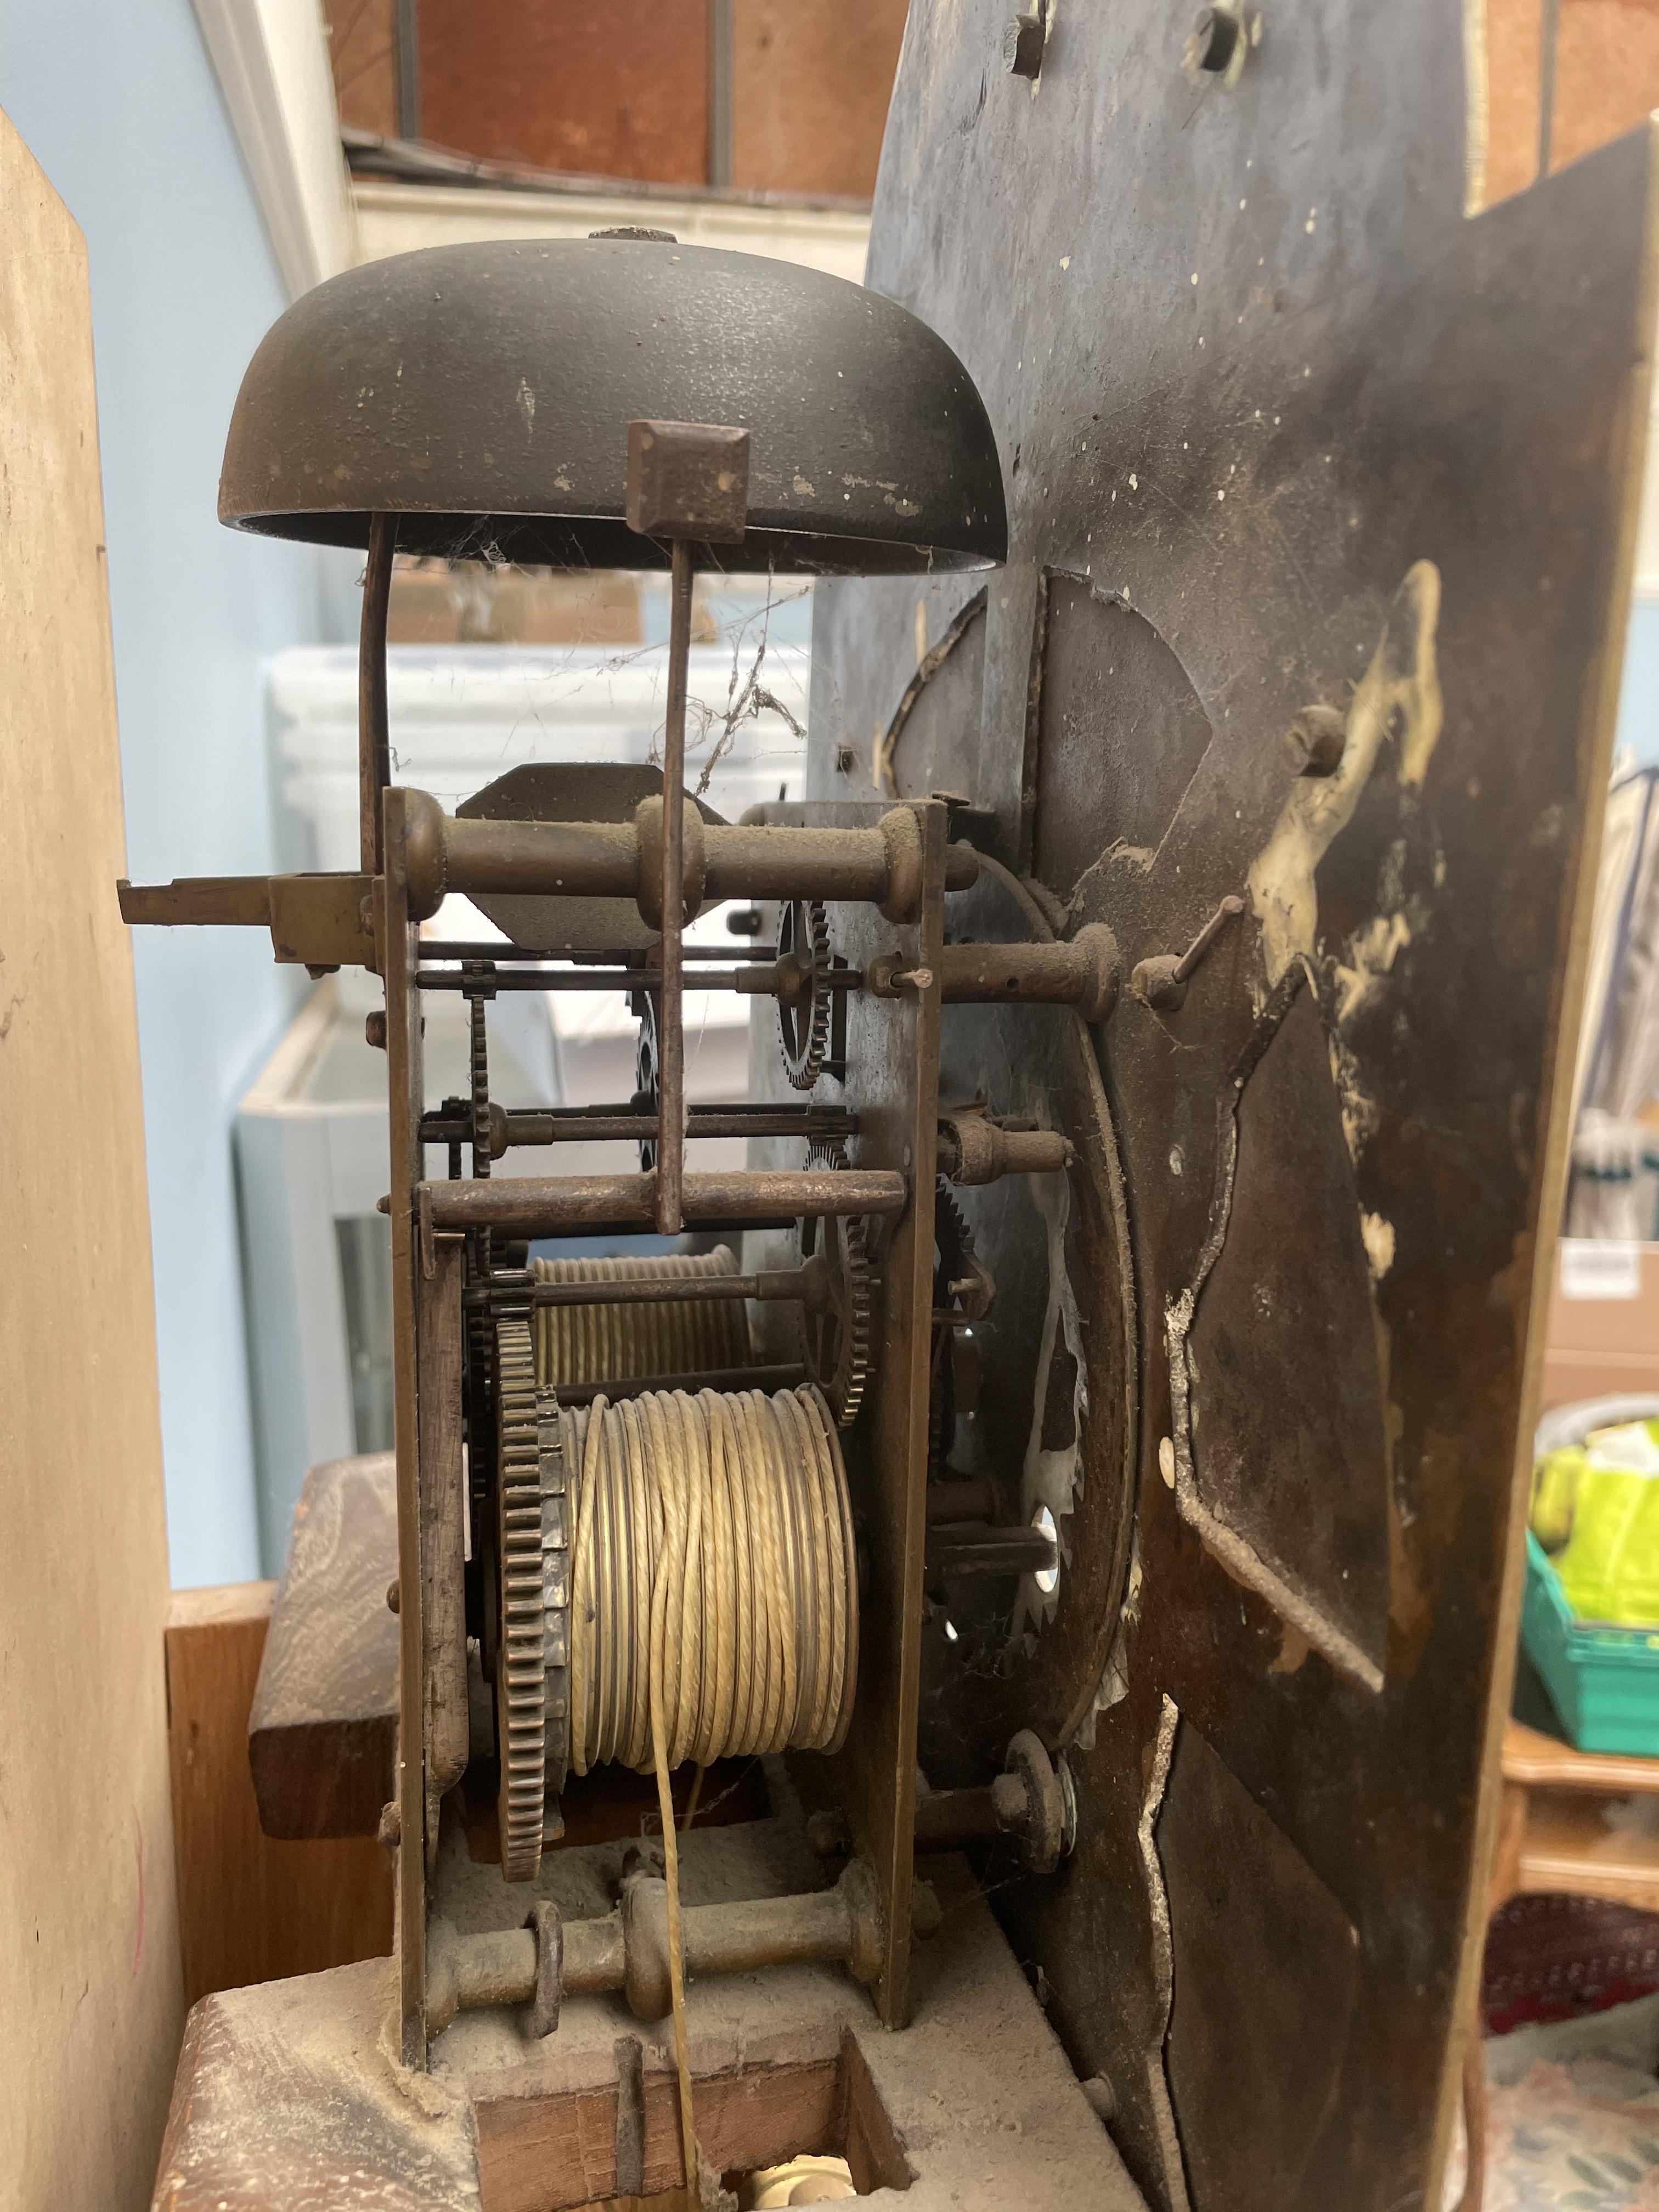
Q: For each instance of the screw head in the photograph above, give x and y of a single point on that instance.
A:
(1022, 46)
(1215, 35)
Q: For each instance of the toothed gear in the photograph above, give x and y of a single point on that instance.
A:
(480, 1074)
(520, 1676)
(840, 1342)
(483, 1597)
(803, 1029)
(959, 1278)
(558, 1494)
(647, 1064)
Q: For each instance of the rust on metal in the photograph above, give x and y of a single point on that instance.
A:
(627, 1950)
(537, 1205)
(237, 902)
(584, 1125)
(1161, 981)
(608, 859)
(975, 1149)
(1081, 972)
(315, 921)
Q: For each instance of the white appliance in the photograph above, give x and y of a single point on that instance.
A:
(311, 1132)
(460, 715)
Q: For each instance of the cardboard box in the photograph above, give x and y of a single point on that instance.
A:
(1604, 1335)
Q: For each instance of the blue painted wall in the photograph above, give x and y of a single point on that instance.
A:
(119, 106)
(1639, 697)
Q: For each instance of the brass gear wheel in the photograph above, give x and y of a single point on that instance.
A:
(840, 1341)
(803, 1026)
(521, 1658)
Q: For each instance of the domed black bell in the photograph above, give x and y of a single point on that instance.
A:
(482, 394)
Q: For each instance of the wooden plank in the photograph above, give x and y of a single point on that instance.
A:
(608, 87)
(1511, 33)
(1506, 1852)
(88, 1936)
(811, 81)
(869, 2141)
(1551, 83)
(1545, 1762)
(1571, 1376)
(1590, 1846)
(362, 53)
(322, 1730)
(1575, 1821)
(285, 2100)
(550, 2154)
(213, 1606)
(1622, 1328)
(1605, 75)
(250, 1910)
(284, 2103)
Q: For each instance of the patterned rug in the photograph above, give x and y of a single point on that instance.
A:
(1573, 2116)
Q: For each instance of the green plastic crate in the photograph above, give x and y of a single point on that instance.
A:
(1603, 1682)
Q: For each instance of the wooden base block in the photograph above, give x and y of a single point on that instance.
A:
(323, 1735)
(286, 2095)
(249, 1910)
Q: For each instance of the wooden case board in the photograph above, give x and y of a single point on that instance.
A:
(90, 1990)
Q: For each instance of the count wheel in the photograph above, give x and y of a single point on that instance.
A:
(805, 1002)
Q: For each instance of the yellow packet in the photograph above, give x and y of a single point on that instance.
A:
(1609, 1568)
(1554, 1494)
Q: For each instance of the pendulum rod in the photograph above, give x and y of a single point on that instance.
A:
(374, 733)
(671, 1078)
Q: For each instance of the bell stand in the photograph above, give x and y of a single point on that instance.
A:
(889, 870)
(687, 484)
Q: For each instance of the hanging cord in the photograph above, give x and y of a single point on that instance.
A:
(690, 1812)
(608, 1343)
(715, 1601)
(679, 1540)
